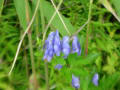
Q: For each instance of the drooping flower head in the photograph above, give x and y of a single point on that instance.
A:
(57, 44)
(65, 46)
(49, 49)
(75, 82)
(76, 46)
(95, 79)
(58, 66)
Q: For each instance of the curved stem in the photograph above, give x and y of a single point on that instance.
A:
(45, 63)
(50, 21)
(88, 27)
(31, 48)
(20, 43)
(61, 18)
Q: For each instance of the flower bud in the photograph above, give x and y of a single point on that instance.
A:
(57, 44)
(95, 79)
(76, 46)
(58, 66)
(75, 82)
(65, 46)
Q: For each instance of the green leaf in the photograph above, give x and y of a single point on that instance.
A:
(101, 44)
(108, 82)
(21, 11)
(48, 11)
(81, 60)
(108, 6)
(59, 60)
(1, 6)
(79, 71)
(116, 4)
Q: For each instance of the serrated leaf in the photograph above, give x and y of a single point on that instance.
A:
(81, 60)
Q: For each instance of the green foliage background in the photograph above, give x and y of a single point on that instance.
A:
(103, 48)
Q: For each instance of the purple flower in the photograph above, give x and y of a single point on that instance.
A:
(65, 46)
(95, 79)
(58, 66)
(57, 44)
(75, 82)
(76, 46)
(49, 49)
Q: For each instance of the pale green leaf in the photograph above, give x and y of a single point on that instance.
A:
(1, 6)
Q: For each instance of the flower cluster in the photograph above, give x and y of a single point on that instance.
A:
(54, 46)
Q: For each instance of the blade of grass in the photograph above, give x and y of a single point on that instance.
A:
(88, 27)
(107, 5)
(56, 23)
(20, 43)
(1, 6)
(31, 47)
(60, 18)
(50, 21)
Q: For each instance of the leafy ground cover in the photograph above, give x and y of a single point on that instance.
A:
(96, 23)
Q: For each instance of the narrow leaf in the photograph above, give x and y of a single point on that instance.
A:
(1, 6)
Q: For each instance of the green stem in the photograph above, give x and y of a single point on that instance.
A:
(37, 23)
(26, 63)
(32, 61)
(88, 27)
(31, 48)
(46, 65)
(50, 21)
(46, 75)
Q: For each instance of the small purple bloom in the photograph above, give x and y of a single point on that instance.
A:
(95, 79)
(65, 46)
(50, 39)
(75, 82)
(76, 46)
(57, 43)
(58, 66)
(49, 49)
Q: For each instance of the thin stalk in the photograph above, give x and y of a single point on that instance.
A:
(31, 48)
(79, 30)
(22, 38)
(50, 21)
(45, 63)
(46, 75)
(60, 18)
(26, 63)
(32, 62)
(37, 23)
(88, 27)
